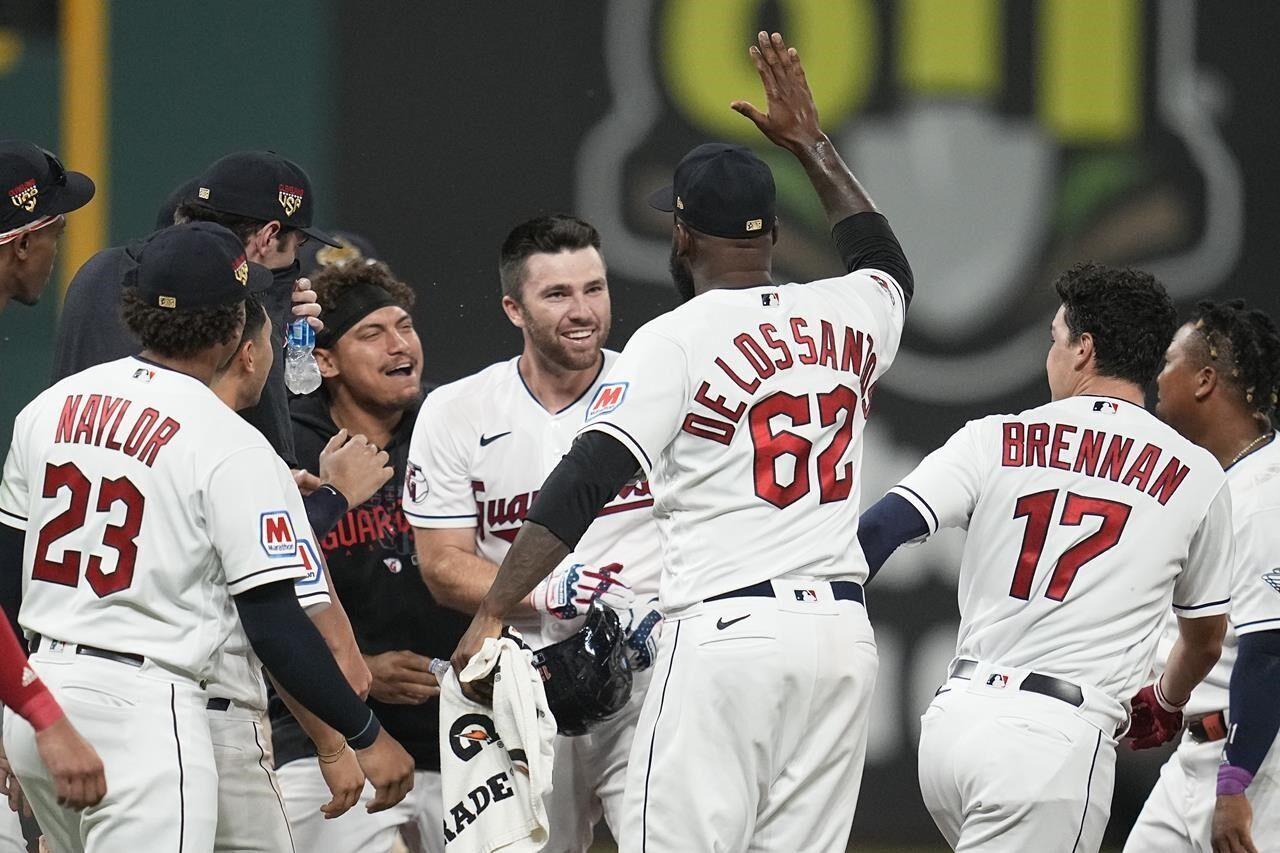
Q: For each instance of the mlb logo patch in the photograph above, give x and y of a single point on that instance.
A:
(997, 680)
(607, 399)
(1107, 407)
(770, 300)
(311, 562)
(806, 595)
(275, 530)
(143, 374)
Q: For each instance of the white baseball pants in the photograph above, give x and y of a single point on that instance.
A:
(754, 729)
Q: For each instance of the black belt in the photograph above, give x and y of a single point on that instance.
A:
(95, 652)
(840, 590)
(1208, 728)
(1035, 682)
(217, 704)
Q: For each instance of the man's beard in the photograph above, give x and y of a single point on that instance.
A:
(681, 276)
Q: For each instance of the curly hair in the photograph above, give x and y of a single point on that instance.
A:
(176, 334)
(551, 235)
(1243, 346)
(1127, 313)
(331, 282)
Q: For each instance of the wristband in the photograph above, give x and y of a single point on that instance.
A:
(1163, 701)
(1232, 780)
(331, 757)
(366, 736)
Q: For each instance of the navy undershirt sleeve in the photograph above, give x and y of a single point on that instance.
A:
(589, 476)
(865, 241)
(891, 522)
(325, 506)
(295, 654)
(1255, 700)
(11, 541)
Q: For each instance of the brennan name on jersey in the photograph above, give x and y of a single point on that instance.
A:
(855, 354)
(1094, 453)
(96, 420)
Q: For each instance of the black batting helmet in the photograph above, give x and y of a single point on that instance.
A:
(587, 677)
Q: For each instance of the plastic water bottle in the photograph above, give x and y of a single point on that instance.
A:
(301, 373)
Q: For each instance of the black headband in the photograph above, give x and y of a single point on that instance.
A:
(353, 305)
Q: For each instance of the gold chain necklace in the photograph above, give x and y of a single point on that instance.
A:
(1250, 446)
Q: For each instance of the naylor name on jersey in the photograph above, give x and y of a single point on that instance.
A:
(502, 517)
(757, 354)
(1094, 453)
(100, 420)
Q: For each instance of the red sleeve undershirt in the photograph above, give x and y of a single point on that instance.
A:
(20, 689)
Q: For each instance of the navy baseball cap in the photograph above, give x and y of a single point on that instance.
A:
(260, 185)
(722, 190)
(181, 194)
(38, 187)
(194, 266)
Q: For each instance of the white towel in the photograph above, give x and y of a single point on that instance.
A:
(495, 763)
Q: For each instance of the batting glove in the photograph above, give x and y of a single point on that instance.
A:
(643, 630)
(1153, 720)
(569, 590)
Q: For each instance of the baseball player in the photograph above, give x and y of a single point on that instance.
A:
(746, 408)
(482, 448)
(154, 517)
(251, 816)
(371, 359)
(1087, 517)
(41, 193)
(1218, 388)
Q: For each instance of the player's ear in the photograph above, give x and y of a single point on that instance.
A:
(514, 311)
(326, 362)
(1206, 382)
(1084, 350)
(682, 241)
(22, 246)
(773, 237)
(264, 238)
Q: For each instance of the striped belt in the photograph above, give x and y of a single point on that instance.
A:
(1035, 682)
(94, 652)
(840, 590)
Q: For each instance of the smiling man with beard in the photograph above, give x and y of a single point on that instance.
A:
(370, 358)
(481, 449)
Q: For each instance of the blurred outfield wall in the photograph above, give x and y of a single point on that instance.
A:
(1004, 141)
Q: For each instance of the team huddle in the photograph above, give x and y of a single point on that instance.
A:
(231, 611)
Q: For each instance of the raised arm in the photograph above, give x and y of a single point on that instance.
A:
(862, 236)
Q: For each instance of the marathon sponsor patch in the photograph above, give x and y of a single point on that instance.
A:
(275, 530)
(311, 562)
(607, 399)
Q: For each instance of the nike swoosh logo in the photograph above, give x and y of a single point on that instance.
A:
(721, 624)
(486, 440)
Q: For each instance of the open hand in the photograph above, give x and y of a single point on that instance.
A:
(792, 118)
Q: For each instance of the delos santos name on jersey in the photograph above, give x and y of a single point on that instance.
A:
(760, 353)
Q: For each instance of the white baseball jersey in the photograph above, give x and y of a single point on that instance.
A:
(1087, 519)
(746, 409)
(1255, 583)
(147, 505)
(481, 449)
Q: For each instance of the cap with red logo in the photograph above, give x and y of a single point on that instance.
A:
(37, 187)
(195, 266)
(260, 185)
